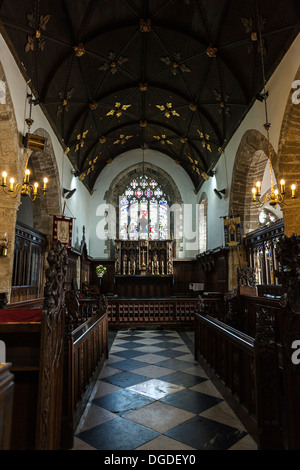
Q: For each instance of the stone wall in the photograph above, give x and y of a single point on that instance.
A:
(289, 161)
(12, 161)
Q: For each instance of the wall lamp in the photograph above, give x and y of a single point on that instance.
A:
(4, 246)
(219, 193)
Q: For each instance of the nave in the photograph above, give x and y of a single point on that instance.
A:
(153, 395)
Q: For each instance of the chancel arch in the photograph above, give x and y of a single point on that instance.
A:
(11, 159)
(251, 164)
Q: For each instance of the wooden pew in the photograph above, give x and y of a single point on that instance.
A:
(86, 350)
(6, 405)
(22, 341)
(44, 347)
(245, 370)
(256, 365)
(34, 341)
(250, 306)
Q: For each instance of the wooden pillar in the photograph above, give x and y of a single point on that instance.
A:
(291, 378)
(289, 258)
(267, 385)
(236, 259)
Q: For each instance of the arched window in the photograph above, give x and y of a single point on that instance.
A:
(2, 92)
(202, 226)
(143, 211)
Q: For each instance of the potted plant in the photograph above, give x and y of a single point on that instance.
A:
(100, 270)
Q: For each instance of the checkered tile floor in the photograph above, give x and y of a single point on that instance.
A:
(153, 395)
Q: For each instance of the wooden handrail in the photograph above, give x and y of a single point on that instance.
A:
(235, 335)
(31, 303)
(86, 352)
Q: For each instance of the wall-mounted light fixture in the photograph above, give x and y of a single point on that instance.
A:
(68, 193)
(219, 193)
(26, 188)
(274, 195)
(4, 246)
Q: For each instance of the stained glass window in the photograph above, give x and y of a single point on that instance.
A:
(143, 211)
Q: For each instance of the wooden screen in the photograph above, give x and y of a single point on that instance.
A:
(27, 279)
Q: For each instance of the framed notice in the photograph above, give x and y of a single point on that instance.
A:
(62, 230)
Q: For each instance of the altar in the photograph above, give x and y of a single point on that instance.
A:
(143, 268)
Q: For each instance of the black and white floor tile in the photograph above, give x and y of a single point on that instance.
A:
(153, 395)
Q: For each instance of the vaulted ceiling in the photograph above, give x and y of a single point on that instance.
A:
(176, 76)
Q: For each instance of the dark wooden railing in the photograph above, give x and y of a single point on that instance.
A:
(246, 372)
(32, 303)
(151, 311)
(264, 386)
(27, 279)
(249, 307)
(86, 352)
(53, 359)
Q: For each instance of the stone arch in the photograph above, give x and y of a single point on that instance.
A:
(288, 155)
(249, 166)
(11, 141)
(45, 164)
(11, 160)
(163, 178)
(119, 184)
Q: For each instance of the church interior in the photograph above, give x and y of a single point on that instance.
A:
(150, 225)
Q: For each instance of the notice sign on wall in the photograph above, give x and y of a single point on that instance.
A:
(62, 230)
(232, 231)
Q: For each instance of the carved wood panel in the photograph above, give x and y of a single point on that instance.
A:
(52, 348)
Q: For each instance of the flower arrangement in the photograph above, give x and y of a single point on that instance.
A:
(100, 270)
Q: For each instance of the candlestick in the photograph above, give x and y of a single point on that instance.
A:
(4, 176)
(27, 174)
(258, 186)
(11, 184)
(293, 187)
